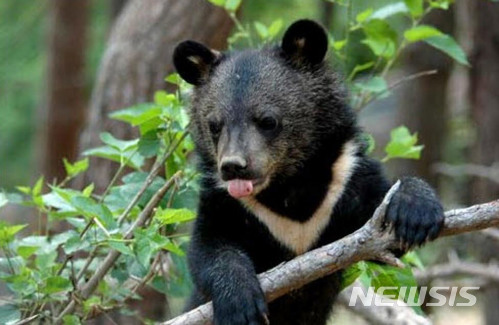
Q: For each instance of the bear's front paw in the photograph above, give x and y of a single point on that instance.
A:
(241, 307)
(414, 213)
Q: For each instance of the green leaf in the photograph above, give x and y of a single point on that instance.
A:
(443, 4)
(59, 199)
(170, 216)
(143, 251)
(359, 68)
(449, 46)
(94, 302)
(171, 247)
(338, 45)
(76, 168)
(275, 28)
(381, 38)
(219, 3)
(390, 276)
(26, 251)
(403, 145)
(128, 158)
(421, 32)
(173, 78)
(9, 314)
(24, 189)
(232, 5)
(120, 247)
(162, 98)
(7, 232)
(349, 275)
(55, 284)
(261, 30)
(74, 244)
(364, 15)
(137, 115)
(121, 145)
(390, 10)
(415, 7)
(46, 261)
(89, 208)
(71, 320)
(149, 144)
(87, 191)
(37, 189)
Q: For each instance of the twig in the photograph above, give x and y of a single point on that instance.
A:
(27, 320)
(365, 101)
(150, 178)
(88, 288)
(371, 242)
(152, 174)
(412, 77)
(394, 314)
(491, 173)
(486, 271)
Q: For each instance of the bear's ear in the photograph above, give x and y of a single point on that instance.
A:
(193, 61)
(305, 41)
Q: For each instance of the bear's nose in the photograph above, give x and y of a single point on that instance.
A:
(232, 167)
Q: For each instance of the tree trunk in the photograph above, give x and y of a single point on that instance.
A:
(424, 102)
(138, 57)
(484, 82)
(484, 95)
(65, 104)
(327, 13)
(116, 7)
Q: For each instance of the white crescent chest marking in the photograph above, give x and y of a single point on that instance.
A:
(300, 236)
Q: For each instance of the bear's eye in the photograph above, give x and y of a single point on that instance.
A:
(268, 123)
(215, 127)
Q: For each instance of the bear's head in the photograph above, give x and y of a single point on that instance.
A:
(259, 116)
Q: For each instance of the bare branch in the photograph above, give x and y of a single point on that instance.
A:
(491, 233)
(369, 242)
(486, 271)
(396, 314)
(491, 173)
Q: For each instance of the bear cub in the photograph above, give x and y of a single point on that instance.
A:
(283, 171)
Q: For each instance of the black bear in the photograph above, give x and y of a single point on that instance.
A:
(283, 171)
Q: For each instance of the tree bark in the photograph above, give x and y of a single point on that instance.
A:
(484, 96)
(484, 82)
(138, 57)
(116, 7)
(65, 103)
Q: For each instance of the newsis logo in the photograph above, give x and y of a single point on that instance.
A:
(387, 296)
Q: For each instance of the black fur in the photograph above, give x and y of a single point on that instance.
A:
(294, 153)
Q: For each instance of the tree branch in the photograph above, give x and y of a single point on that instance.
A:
(491, 233)
(371, 242)
(396, 314)
(488, 272)
(85, 290)
(491, 173)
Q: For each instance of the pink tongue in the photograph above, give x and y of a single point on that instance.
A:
(240, 188)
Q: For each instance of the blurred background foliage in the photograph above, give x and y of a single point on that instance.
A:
(23, 64)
